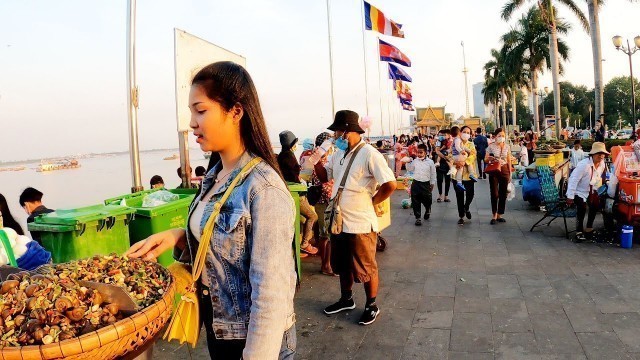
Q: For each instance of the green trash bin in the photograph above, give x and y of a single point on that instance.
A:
(84, 232)
(296, 190)
(152, 220)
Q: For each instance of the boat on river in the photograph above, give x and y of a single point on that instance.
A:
(57, 164)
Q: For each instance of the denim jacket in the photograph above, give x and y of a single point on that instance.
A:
(249, 266)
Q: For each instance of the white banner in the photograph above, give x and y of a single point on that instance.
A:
(192, 54)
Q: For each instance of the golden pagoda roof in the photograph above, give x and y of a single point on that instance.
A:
(431, 116)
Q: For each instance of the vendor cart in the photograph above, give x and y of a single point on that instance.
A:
(627, 181)
(558, 162)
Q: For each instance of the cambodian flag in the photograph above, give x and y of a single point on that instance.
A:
(375, 20)
(391, 53)
(397, 73)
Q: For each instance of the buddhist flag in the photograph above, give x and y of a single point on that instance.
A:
(391, 53)
(397, 73)
(375, 20)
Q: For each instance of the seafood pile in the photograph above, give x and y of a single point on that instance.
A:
(51, 306)
(145, 281)
(38, 309)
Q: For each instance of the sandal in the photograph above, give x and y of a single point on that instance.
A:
(310, 249)
(447, 200)
(439, 200)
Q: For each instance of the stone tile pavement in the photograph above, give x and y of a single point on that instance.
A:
(476, 292)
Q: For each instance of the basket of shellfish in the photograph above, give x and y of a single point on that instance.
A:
(102, 307)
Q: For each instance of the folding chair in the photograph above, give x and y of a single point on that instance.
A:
(554, 202)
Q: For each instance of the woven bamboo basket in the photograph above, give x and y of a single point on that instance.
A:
(110, 342)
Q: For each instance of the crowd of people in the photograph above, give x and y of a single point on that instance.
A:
(239, 223)
(458, 157)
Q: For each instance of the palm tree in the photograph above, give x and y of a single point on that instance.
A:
(496, 80)
(491, 95)
(596, 47)
(528, 44)
(548, 13)
(517, 78)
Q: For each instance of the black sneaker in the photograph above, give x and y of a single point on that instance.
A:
(341, 305)
(369, 315)
(418, 222)
(580, 237)
(426, 216)
(468, 213)
(461, 222)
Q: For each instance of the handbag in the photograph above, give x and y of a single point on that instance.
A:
(493, 168)
(333, 215)
(185, 321)
(314, 193)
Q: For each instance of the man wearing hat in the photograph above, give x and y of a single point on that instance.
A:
(291, 173)
(353, 251)
(582, 190)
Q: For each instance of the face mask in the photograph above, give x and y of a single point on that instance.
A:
(441, 138)
(465, 136)
(500, 139)
(342, 143)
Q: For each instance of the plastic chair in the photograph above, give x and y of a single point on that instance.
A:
(555, 203)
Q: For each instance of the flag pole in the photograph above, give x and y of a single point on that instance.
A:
(388, 106)
(333, 100)
(364, 57)
(380, 85)
(132, 97)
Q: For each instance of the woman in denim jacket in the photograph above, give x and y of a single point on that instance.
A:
(247, 288)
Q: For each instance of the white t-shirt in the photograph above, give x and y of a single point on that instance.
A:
(369, 169)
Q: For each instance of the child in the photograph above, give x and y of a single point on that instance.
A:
(577, 154)
(424, 178)
(524, 153)
(460, 154)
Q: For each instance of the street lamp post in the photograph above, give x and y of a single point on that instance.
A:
(543, 96)
(617, 42)
(590, 110)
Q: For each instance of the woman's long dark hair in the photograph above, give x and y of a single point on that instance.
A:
(229, 84)
(7, 218)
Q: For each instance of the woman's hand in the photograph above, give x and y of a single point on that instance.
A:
(156, 244)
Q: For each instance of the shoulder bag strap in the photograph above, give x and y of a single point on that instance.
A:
(207, 233)
(346, 171)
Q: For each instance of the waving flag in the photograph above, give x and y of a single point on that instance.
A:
(375, 20)
(397, 73)
(391, 53)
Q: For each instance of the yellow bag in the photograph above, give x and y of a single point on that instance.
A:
(185, 322)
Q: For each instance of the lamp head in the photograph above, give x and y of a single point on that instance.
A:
(636, 40)
(546, 89)
(617, 41)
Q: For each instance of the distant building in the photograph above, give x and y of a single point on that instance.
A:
(431, 119)
(479, 109)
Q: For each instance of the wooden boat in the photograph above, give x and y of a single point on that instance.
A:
(172, 157)
(57, 164)
(15, 168)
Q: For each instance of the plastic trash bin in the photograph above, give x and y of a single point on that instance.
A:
(296, 190)
(84, 232)
(152, 220)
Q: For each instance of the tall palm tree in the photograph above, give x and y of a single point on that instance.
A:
(528, 44)
(495, 72)
(491, 95)
(548, 13)
(596, 48)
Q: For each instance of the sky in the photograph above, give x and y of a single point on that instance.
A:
(63, 63)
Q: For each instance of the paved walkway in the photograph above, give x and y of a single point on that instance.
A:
(477, 292)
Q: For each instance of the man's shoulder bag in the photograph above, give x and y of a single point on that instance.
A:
(333, 215)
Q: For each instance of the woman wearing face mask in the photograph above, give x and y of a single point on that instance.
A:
(499, 151)
(247, 286)
(401, 152)
(584, 182)
(442, 167)
(467, 166)
(530, 141)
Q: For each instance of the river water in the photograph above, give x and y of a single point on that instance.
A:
(100, 177)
